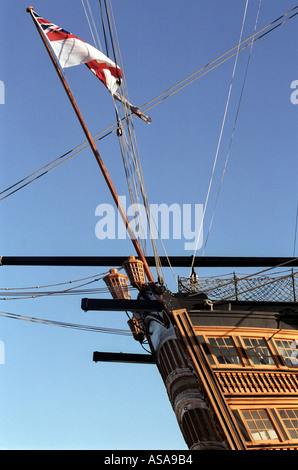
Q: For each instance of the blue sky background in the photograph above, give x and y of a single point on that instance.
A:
(53, 396)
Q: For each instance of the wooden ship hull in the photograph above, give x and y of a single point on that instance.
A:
(229, 366)
(251, 403)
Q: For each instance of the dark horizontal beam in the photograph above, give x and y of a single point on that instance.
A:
(121, 305)
(191, 304)
(175, 261)
(123, 357)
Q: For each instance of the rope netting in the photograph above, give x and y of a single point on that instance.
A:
(273, 288)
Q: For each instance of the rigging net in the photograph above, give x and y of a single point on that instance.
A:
(274, 288)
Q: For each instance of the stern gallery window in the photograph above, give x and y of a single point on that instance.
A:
(259, 425)
(290, 420)
(224, 350)
(258, 351)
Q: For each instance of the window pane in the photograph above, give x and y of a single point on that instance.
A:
(216, 351)
(212, 341)
(264, 435)
(288, 352)
(259, 424)
(258, 351)
(255, 360)
(272, 434)
(263, 414)
(224, 350)
(290, 421)
(252, 425)
(221, 360)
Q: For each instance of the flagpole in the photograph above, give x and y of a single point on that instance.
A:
(95, 151)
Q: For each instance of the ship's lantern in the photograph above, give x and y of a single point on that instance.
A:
(136, 329)
(117, 284)
(134, 269)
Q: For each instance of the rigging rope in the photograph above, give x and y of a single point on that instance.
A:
(113, 127)
(163, 96)
(42, 321)
(129, 149)
(96, 44)
(99, 276)
(50, 169)
(192, 77)
(233, 133)
(9, 292)
(220, 137)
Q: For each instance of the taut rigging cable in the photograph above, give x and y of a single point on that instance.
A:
(182, 84)
(232, 136)
(192, 77)
(42, 321)
(220, 137)
(96, 41)
(129, 148)
(113, 127)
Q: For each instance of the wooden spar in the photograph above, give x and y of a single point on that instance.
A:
(95, 152)
(166, 261)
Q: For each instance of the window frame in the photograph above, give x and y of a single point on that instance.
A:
(282, 358)
(278, 410)
(270, 339)
(236, 346)
(267, 345)
(254, 442)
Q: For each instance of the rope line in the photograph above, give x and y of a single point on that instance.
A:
(220, 136)
(50, 169)
(232, 136)
(42, 321)
(113, 127)
(194, 78)
(96, 44)
(129, 149)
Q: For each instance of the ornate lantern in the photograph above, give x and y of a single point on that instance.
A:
(134, 269)
(117, 284)
(136, 329)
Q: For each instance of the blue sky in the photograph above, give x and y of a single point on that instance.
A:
(53, 396)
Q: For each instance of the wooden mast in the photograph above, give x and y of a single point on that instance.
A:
(95, 151)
